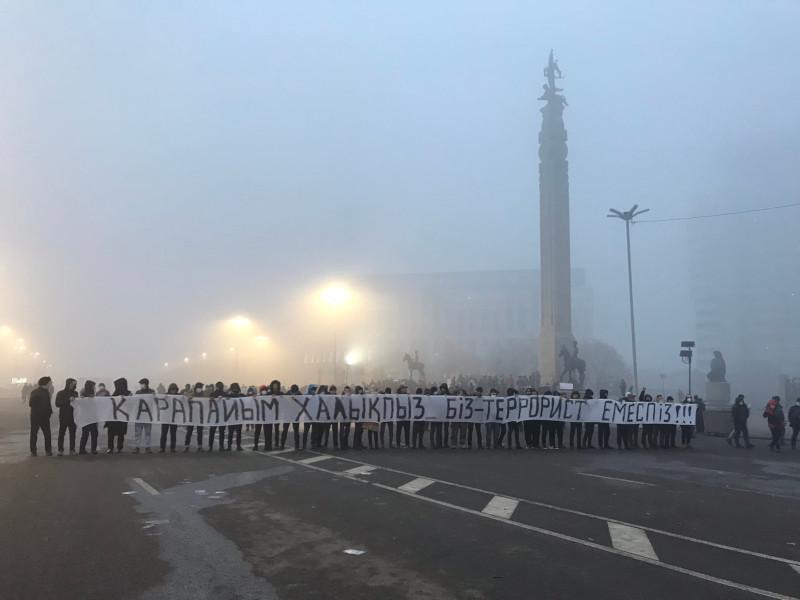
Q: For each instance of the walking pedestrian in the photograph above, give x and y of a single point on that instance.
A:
(740, 413)
(89, 430)
(142, 431)
(66, 415)
(41, 409)
(117, 429)
(776, 422)
(794, 422)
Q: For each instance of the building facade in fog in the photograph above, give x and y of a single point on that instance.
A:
(476, 321)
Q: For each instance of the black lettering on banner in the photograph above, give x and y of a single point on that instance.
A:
(143, 407)
(403, 408)
(535, 407)
(322, 407)
(524, 403)
(388, 408)
(567, 407)
(468, 409)
(450, 413)
(667, 414)
(200, 408)
(511, 406)
(232, 411)
(117, 408)
(338, 410)
(303, 409)
(619, 411)
(373, 409)
(248, 414)
(581, 405)
(500, 404)
(160, 408)
(639, 406)
(556, 408)
(177, 407)
(606, 406)
(629, 412)
(213, 409)
(460, 400)
(489, 403)
(544, 404)
(419, 407)
(650, 413)
(266, 405)
(354, 411)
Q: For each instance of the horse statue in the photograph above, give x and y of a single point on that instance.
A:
(572, 364)
(414, 364)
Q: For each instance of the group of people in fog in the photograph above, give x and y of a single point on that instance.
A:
(532, 434)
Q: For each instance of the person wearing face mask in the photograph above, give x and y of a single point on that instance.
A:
(234, 392)
(117, 429)
(142, 431)
(171, 430)
(88, 391)
(492, 427)
(476, 427)
(575, 427)
(513, 426)
(66, 415)
(219, 392)
(588, 430)
(199, 392)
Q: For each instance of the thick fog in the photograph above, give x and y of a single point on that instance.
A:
(166, 166)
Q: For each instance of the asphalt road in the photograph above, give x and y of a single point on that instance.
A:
(711, 522)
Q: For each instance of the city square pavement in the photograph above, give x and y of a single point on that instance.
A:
(708, 522)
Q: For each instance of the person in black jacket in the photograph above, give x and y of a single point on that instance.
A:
(171, 430)
(740, 413)
(66, 415)
(198, 393)
(88, 391)
(588, 429)
(603, 429)
(39, 403)
(219, 392)
(235, 392)
(117, 429)
(794, 422)
(575, 427)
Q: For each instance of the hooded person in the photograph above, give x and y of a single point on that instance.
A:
(219, 393)
(773, 413)
(740, 413)
(117, 429)
(169, 429)
(88, 391)
(235, 392)
(143, 431)
(66, 415)
(199, 392)
(41, 409)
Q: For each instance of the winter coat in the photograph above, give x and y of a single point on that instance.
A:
(39, 402)
(774, 415)
(794, 416)
(740, 413)
(120, 389)
(64, 403)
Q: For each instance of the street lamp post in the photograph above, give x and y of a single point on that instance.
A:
(628, 216)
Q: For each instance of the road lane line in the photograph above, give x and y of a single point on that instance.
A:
(361, 470)
(596, 546)
(796, 568)
(500, 506)
(271, 452)
(146, 486)
(314, 459)
(415, 485)
(631, 539)
(616, 479)
(581, 513)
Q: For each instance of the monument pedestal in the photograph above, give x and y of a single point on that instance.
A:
(718, 395)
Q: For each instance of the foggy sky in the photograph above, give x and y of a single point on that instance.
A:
(163, 164)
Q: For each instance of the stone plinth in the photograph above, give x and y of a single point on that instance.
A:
(718, 395)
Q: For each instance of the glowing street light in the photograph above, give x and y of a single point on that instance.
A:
(335, 295)
(5, 330)
(240, 322)
(261, 341)
(166, 365)
(352, 358)
(186, 360)
(204, 355)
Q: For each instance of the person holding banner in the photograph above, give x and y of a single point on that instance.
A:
(142, 431)
(171, 430)
(66, 415)
(91, 429)
(513, 426)
(358, 430)
(263, 391)
(344, 428)
(117, 429)
(417, 430)
(603, 429)
(219, 392)
(198, 393)
(588, 431)
(475, 426)
(234, 392)
(294, 390)
(687, 430)
(385, 425)
(575, 427)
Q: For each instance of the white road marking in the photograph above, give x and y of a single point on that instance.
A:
(617, 479)
(271, 452)
(596, 546)
(146, 486)
(415, 485)
(796, 568)
(500, 506)
(360, 470)
(314, 459)
(632, 540)
(581, 513)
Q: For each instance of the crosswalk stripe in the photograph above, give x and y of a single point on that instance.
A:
(631, 539)
(500, 506)
(796, 568)
(146, 486)
(415, 485)
(361, 470)
(314, 459)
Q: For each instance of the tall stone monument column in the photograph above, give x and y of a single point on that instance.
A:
(554, 240)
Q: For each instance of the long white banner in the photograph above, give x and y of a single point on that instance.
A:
(183, 410)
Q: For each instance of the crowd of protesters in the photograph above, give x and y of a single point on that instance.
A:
(530, 434)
